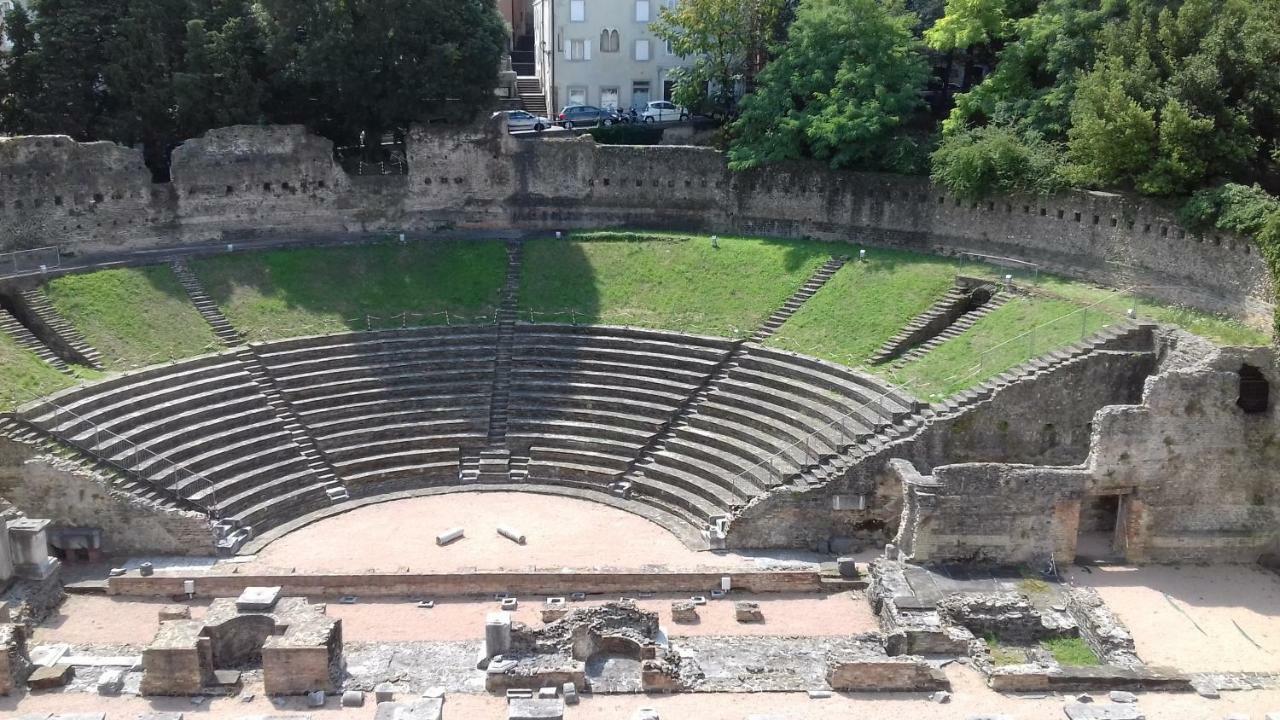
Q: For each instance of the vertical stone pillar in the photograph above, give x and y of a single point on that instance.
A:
(29, 548)
(6, 557)
(497, 634)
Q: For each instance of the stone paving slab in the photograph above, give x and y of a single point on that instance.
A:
(1091, 711)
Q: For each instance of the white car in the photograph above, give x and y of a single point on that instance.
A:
(663, 111)
(518, 120)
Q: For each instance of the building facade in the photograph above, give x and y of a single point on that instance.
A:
(602, 52)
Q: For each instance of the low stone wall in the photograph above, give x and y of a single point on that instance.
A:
(1037, 678)
(904, 673)
(14, 661)
(458, 585)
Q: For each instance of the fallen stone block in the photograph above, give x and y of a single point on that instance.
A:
(552, 614)
(258, 599)
(175, 612)
(315, 699)
(570, 693)
(384, 692)
(847, 567)
(111, 682)
(353, 698)
(426, 709)
(748, 612)
(1093, 711)
(1122, 696)
(941, 697)
(535, 709)
(684, 611)
(52, 676)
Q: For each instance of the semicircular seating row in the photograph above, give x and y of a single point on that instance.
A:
(397, 410)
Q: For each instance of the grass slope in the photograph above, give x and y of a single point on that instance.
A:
(1022, 329)
(134, 316)
(284, 293)
(865, 304)
(675, 282)
(26, 376)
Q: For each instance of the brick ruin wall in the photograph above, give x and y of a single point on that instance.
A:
(98, 197)
(74, 498)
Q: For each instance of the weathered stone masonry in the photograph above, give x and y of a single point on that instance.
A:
(97, 197)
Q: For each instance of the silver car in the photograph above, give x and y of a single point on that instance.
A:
(519, 120)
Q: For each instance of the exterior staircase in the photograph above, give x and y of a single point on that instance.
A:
(10, 326)
(955, 329)
(529, 88)
(798, 299)
(307, 447)
(689, 407)
(207, 308)
(494, 462)
(37, 301)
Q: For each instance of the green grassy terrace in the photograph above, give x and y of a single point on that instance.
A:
(311, 291)
(134, 316)
(26, 376)
(676, 282)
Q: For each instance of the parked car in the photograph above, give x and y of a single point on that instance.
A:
(663, 111)
(518, 120)
(585, 115)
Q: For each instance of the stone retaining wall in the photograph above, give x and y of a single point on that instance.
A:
(98, 197)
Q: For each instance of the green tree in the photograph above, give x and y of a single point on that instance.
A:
(841, 90)
(997, 158)
(728, 41)
(224, 76)
(73, 51)
(19, 76)
(371, 66)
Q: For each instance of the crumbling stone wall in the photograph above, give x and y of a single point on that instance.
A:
(280, 179)
(1045, 419)
(1197, 474)
(44, 486)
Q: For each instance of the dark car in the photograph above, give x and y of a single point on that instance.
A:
(582, 115)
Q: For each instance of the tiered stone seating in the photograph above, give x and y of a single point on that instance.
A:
(207, 416)
(393, 409)
(585, 400)
(774, 414)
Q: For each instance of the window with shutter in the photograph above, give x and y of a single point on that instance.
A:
(577, 10)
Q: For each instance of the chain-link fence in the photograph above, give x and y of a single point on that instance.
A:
(23, 262)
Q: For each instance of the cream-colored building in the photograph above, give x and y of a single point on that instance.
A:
(601, 52)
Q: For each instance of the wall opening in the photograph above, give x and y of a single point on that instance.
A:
(1101, 532)
(1255, 391)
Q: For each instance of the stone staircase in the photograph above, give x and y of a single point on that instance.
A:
(209, 310)
(679, 421)
(24, 337)
(923, 326)
(529, 88)
(493, 463)
(307, 447)
(37, 301)
(798, 299)
(953, 330)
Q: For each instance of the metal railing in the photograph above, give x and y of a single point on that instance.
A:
(131, 461)
(19, 262)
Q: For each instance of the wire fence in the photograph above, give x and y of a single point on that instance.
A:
(26, 261)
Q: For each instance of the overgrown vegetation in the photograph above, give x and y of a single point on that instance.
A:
(305, 291)
(155, 72)
(659, 280)
(1071, 652)
(841, 90)
(134, 316)
(26, 376)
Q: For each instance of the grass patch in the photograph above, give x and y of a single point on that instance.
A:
(1022, 329)
(669, 281)
(308, 291)
(26, 376)
(1002, 655)
(135, 316)
(1071, 652)
(865, 304)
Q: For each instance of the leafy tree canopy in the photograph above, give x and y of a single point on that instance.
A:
(841, 89)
